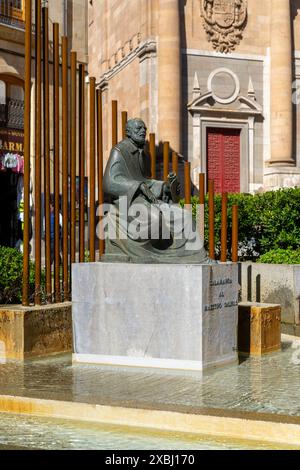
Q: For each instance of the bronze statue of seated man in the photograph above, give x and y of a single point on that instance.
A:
(145, 224)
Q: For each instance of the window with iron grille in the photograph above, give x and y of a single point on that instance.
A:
(11, 106)
(12, 12)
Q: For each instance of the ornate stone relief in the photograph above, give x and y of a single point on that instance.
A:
(224, 22)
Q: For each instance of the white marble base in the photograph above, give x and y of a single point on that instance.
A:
(137, 362)
(159, 316)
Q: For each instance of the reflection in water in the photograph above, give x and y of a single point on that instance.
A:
(269, 384)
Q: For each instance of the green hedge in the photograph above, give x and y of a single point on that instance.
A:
(281, 256)
(267, 221)
(11, 276)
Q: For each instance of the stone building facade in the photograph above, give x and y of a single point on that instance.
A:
(219, 79)
(72, 18)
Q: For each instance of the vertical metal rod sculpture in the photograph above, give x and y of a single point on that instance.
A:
(27, 116)
(73, 142)
(114, 123)
(124, 122)
(152, 155)
(92, 217)
(235, 233)
(100, 166)
(202, 206)
(166, 151)
(65, 166)
(38, 149)
(211, 219)
(202, 188)
(56, 162)
(187, 183)
(81, 160)
(46, 111)
(224, 228)
(175, 163)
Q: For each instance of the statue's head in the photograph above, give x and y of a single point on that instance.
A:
(136, 131)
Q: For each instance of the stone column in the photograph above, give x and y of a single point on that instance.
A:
(281, 84)
(169, 73)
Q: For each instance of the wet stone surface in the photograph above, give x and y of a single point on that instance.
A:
(269, 384)
(31, 433)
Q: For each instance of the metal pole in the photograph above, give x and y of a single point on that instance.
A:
(114, 124)
(124, 122)
(38, 149)
(175, 163)
(100, 164)
(56, 161)
(92, 169)
(81, 160)
(201, 188)
(152, 155)
(46, 111)
(224, 228)
(187, 183)
(202, 206)
(65, 165)
(73, 111)
(235, 233)
(211, 222)
(166, 151)
(27, 116)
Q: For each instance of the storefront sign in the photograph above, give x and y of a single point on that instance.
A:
(11, 141)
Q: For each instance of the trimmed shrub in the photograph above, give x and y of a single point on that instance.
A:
(11, 276)
(267, 221)
(281, 256)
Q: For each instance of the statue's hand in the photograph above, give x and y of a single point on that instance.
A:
(148, 194)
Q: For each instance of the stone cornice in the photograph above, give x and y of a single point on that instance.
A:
(233, 55)
(142, 52)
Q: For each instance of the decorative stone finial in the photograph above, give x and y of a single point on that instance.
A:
(251, 91)
(196, 87)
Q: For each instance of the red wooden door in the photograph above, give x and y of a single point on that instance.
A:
(223, 159)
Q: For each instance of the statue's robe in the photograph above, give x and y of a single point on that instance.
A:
(126, 170)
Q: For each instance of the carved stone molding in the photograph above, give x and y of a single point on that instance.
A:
(143, 51)
(148, 50)
(224, 22)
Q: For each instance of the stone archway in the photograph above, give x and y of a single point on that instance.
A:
(12, 78)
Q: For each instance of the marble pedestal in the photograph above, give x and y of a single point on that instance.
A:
(165, 316)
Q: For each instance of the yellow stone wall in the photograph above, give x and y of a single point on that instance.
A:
(115, 27)
(296, 23)
(77, 27)
(116, 30)
(127, 91)
(256, 36)
(114, 23)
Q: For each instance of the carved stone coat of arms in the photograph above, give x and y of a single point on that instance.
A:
(224, 22)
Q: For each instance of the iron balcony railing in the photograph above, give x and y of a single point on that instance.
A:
(12, 114)
(12, 21)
